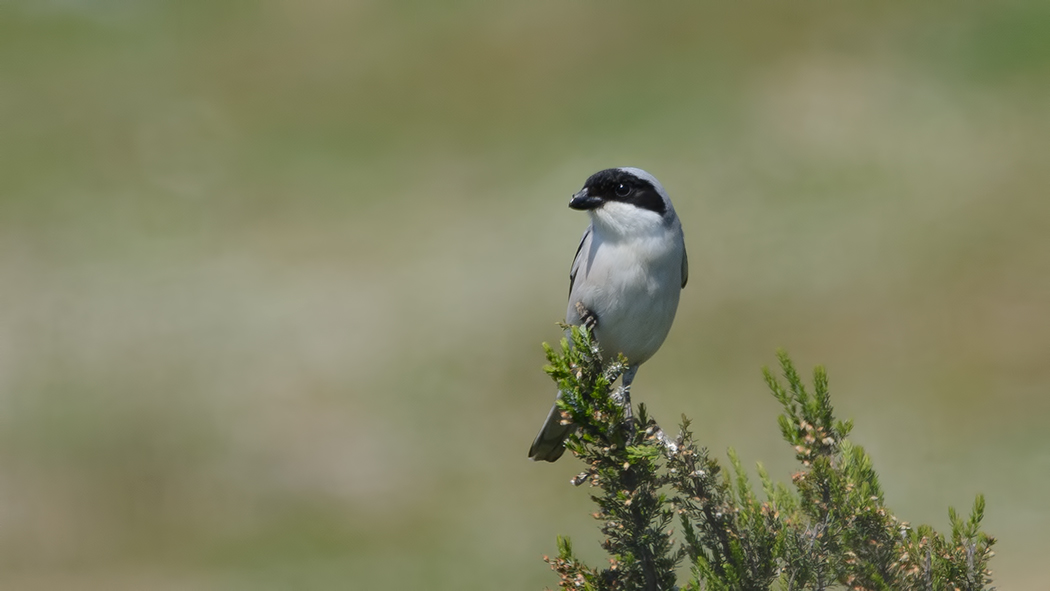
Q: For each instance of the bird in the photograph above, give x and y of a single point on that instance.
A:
(625, 280)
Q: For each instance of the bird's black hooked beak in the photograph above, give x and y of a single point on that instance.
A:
(584, 201)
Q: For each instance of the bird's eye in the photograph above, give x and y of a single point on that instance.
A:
(623, 190)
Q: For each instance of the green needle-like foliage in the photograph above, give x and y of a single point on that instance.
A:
(830, 530)
(623, 464)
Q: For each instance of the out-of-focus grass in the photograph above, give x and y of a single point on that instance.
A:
(273, 275)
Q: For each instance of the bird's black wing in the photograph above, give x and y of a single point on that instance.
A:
(576, 259)
(685, 268)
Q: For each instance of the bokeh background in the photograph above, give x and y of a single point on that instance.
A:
(274, 275)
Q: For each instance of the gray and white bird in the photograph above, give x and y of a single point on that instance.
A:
(627, 275)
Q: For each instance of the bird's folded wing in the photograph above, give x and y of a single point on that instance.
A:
(581, 252)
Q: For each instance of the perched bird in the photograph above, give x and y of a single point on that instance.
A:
(625, 279)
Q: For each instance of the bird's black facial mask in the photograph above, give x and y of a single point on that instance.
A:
(614, 184)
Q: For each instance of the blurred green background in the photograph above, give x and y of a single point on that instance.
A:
(274, 275)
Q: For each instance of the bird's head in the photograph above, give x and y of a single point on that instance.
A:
(625, 200)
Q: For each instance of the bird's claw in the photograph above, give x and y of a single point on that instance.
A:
(588, 319)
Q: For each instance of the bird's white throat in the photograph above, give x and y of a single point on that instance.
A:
(614, 220)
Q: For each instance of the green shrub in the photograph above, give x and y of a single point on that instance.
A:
(831, 529)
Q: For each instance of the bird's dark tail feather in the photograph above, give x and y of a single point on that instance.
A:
(550, 442)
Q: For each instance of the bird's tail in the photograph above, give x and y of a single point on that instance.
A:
(550, 442)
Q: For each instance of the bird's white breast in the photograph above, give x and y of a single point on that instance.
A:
(630, 278)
